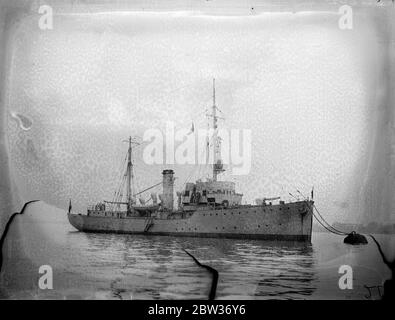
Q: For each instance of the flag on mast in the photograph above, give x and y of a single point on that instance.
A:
(192, 129)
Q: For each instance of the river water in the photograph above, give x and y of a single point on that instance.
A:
(112, 266)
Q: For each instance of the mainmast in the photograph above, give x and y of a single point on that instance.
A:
(217, 164)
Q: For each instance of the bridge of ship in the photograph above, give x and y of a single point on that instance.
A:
(215, 193)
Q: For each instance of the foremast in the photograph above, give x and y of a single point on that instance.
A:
(130, 192)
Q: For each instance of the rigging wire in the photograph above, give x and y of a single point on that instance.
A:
(118, 191)
(121, 178)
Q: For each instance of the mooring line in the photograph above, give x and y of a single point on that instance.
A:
(214, 272)
(7, 227)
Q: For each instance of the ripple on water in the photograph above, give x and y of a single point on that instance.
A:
(115, 266)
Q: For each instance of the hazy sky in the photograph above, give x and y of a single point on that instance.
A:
(304, 87)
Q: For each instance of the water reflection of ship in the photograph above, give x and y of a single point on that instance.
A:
(210, 208)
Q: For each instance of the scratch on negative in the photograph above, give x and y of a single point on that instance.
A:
(7, 227)
(214, 272)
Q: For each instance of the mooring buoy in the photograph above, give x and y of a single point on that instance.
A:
(355, 238)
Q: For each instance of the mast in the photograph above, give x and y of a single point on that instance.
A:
(217, 165)
(129, 176)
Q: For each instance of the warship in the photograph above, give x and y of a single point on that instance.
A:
(209, 208)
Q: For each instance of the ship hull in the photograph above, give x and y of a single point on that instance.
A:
(290, 222)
